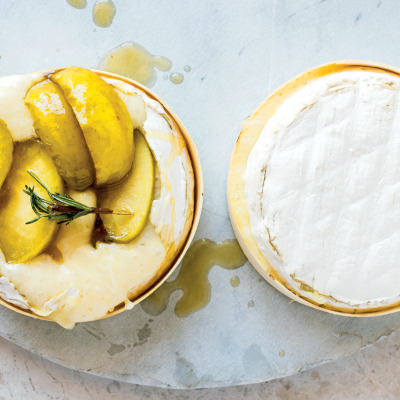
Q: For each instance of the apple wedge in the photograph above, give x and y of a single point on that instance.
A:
(56, 125)
(104, 119)
(134, 194)
(6, 151)
(20, 242)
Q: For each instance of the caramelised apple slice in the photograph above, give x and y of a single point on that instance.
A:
(20, 242)
(6, 151)
(134, 194)
(59, 130)
(104, 119)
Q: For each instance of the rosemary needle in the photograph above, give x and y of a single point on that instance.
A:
(62, 208)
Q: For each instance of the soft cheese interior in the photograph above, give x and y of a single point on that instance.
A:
(323, 190)
(89, 282)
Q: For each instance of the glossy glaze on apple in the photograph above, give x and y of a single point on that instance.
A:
(86, 282)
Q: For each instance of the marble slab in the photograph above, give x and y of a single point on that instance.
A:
(238, 52)
(368, 374)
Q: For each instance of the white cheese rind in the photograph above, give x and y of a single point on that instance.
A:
(172, 205)
(11, 295)
(323, 190)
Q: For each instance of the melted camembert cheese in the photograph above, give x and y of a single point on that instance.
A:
(86, 282)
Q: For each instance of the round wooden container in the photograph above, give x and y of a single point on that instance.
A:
(163, 274)
(237, 203)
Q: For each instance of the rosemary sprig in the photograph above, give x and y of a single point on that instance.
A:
(62, 208)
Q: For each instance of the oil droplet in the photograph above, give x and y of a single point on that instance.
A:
(103, 13)
(80, 4)
(187, 68)
(193, 277)
(135, 62)
(176, 77)
(235, 281)
(250, 304)
(282, 353)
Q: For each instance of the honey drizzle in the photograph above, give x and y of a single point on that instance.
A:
(193, 277)
(133, 61)
(99, 233)
(79, 4)
(54, 253)
(103, 13)
(160, 135)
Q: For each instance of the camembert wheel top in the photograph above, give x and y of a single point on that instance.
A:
(314, 188)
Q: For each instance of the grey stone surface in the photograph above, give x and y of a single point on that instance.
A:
(238, 51)
(224, 344)
(370, 374)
